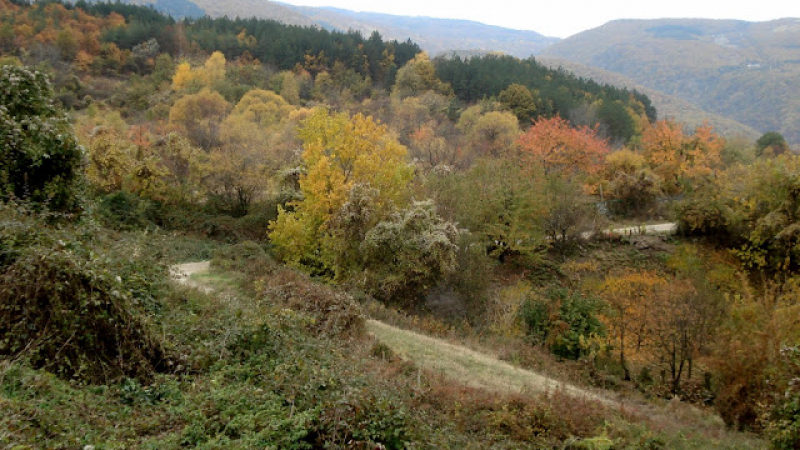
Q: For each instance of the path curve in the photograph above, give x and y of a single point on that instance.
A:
(460, 363)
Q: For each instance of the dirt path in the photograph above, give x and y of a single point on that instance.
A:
(470, 367)
(660, 229)
(183, 274)
(454, 361)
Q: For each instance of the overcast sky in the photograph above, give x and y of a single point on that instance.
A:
(563, 18)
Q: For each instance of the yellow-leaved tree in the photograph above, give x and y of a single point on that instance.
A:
(254, 145)
(212, 72)
(198, 116)
(629, 296)
(343, 157)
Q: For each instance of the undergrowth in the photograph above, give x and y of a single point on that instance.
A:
(273, 359)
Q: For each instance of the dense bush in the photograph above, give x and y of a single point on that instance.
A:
(127, 212)
(335, 313)
(65, 308)
(564, 321)
(124, 211)
(247, 257)
(752, 209)
(783, 423)
(40, 159)
(408, 254)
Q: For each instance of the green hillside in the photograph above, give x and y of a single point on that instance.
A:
(667, 105)
(737, 69)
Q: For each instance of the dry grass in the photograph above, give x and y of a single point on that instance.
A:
(472, 368)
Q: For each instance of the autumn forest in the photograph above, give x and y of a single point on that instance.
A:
(339, 184)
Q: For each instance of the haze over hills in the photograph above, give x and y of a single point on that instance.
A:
(742, 70)
(434, 35)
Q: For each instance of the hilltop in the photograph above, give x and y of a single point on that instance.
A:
(432, 34)
(741, 70)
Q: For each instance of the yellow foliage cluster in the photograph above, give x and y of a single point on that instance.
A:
(630, 296)
(417, 77)
(212, 72)
(491, 133)
(166, 168)
(504, 307)
(339, 154)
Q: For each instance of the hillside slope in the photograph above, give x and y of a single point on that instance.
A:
(742, 70)
(262, 9)
(433, 35)
(667, 105)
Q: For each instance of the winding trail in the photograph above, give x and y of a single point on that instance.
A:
(475, 369)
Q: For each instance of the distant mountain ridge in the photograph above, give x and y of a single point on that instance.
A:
(434, 35)
(748, 71)
(262, 9)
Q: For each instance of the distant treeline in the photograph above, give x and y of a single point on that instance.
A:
(560, 92)
(271, 42)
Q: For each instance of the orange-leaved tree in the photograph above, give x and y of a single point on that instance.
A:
(560, 148)
(629, 296)
(681, 159)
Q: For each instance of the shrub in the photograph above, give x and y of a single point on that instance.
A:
(408, 254)
(64, 306)
(69, 315)
(504, 310)
(565, 321)
(535, 313)
(364, 421)
(473, 274)
(40, 159)
(577, 323)
(335, 313)
(247, 257)
(125, 211)
(783, 422)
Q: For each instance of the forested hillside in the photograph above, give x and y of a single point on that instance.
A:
(667, 105)
(555, 92)
(261, 9)
(339, 186)
(737, 69)
(434, 35)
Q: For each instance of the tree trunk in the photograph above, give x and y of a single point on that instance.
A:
(622, 356)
